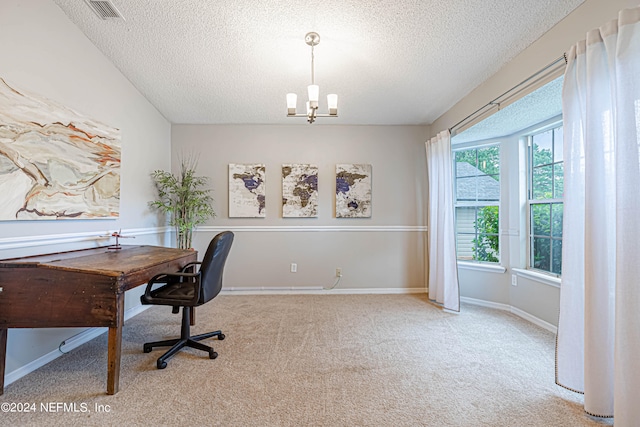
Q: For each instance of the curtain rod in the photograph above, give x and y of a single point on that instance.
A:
(493, 102)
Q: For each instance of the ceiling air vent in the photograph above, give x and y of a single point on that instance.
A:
(104, 9)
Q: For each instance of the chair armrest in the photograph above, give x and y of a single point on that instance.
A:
(190, 265)
(166, 278)
(157, 278)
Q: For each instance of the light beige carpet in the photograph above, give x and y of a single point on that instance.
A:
(315, 360)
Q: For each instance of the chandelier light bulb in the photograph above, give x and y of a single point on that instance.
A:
(332, 102)
(292, 101)
(314, 95)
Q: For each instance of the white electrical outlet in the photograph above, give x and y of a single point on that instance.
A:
(514, 280)
(338, 272)
(294, 267)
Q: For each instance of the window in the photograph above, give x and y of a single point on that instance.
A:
(477, 203)
(546, 181)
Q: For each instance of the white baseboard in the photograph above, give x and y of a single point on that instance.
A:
(66, 346)
(484, 303)
(520, 313)
(378, 291)
(535, 320)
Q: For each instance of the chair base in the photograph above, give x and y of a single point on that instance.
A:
(185, 340)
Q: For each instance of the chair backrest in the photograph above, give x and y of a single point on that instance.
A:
(212, 266)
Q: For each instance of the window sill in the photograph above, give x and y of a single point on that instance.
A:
(538, 277)
(489, 268)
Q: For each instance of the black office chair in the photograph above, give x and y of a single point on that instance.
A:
(189, 289)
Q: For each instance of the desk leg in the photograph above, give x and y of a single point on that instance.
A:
(115, 348)
(3, 357)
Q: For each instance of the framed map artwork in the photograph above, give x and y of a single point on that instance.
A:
(247, 190)
(299, 191)
(353, 190)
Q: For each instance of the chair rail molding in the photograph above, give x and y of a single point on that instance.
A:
(315, 228)
(84, 236)
(88, 236)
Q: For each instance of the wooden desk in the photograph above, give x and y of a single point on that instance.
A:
(83, 288)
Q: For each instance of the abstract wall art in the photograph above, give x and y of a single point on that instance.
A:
(353, 191)
(299, 191)
(247, 190)
(54, 162)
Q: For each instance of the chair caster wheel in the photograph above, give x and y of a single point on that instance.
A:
(213, 355)
(162, 365)
(221, 337)
(146, 349)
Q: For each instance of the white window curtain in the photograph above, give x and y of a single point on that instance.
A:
(443, 270)
(598, 343)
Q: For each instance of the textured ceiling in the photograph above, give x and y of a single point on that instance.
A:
(390, 62)
(536, 107)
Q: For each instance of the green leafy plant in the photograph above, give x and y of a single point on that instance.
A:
(486, 245)
(185, 198)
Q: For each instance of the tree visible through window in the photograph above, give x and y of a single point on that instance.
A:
(477, 189)
(546, 182)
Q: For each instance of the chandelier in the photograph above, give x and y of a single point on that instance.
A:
(312, 39)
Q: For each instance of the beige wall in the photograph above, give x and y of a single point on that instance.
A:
(530, 296)
(44, 53)
(381, 253)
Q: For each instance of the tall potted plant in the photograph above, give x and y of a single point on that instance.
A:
(185, 198)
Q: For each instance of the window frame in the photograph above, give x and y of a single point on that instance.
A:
(478, 203)
(531, 201)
